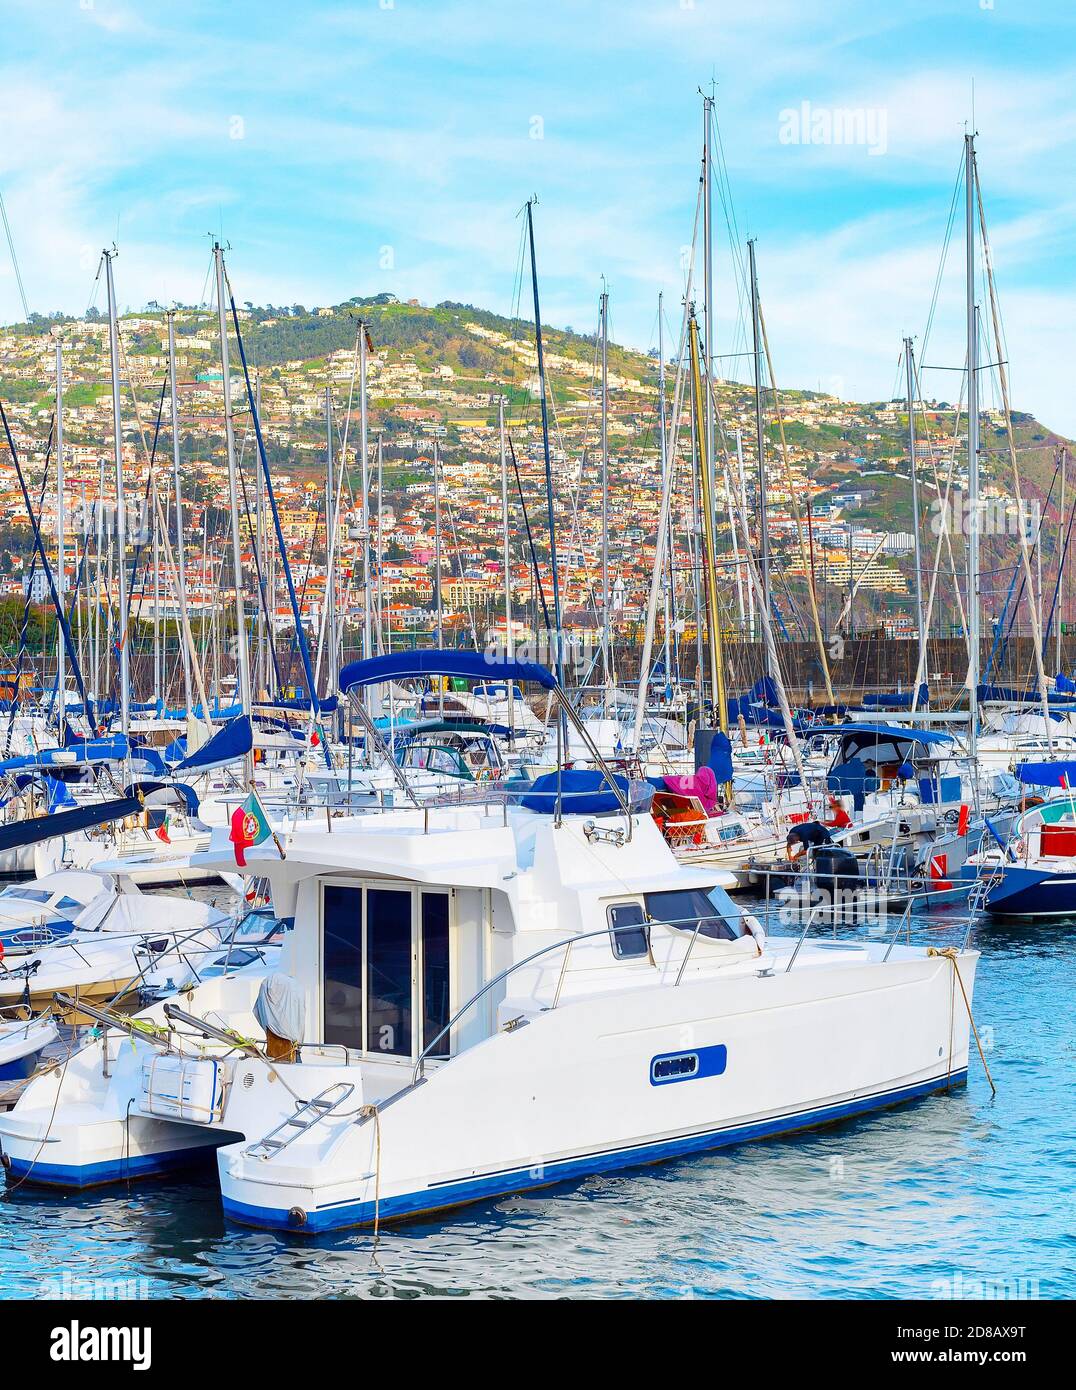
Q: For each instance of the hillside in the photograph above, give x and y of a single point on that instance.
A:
(436, 374)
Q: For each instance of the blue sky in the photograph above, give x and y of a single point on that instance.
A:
(389, 144)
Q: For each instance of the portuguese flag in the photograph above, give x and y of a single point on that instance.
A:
(249, 827)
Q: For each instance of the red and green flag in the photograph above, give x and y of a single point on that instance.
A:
(249, 827)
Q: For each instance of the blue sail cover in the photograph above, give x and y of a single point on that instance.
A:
(435, 662)
(1064, 685)
(892, 732)
(762, 695)
(90, 750)
(897, 699)
(584, 792)
(176, 750)
(80, 752)
(234, 741)
(38, 828)
(1009, 696)
(1047, 774)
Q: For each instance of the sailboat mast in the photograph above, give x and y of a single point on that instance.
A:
(121, 511)
(437, 545)
(666, 565)
(364, 471)
(973, 448)
(329, 627)
(242, 660)
(713, 613)
(706, 424)
(158, 664)
(173, 388)
(61, 655)
(548, 464)
(509, 636)
(605, 491)
(909, 363)
(262, 617)
(380, 556)
(1061, 560)
(763, 522)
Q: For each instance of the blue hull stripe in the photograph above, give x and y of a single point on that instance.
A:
(72, 1175)
(457, 1193)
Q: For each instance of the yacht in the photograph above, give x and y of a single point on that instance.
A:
(484, 998)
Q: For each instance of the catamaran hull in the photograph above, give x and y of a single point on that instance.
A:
(103, 1151)
(315, 1220)
(586, 1090)
(598, 1084)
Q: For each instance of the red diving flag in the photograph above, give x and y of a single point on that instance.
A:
(939, 867)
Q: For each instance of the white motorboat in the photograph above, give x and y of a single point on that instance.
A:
(112, 943)
(37, 913)
(486, 999)
(22, 1041)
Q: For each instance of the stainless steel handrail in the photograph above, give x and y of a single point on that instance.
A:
(803, 935)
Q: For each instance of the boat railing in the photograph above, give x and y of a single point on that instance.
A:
(565, 945)
(695, 924)
(903, 926)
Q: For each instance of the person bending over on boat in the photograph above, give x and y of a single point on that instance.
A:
(809, 835)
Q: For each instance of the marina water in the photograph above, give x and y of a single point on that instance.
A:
(959, 1195)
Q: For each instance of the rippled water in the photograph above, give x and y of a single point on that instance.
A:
(914, 1202)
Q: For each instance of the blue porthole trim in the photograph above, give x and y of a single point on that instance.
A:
(689, 1065)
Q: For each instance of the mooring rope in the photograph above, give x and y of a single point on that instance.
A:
(950, 954)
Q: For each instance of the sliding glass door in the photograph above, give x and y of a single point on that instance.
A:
(387, 975)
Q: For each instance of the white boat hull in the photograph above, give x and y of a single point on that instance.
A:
(577, 1089)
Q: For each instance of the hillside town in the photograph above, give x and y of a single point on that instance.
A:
(838, 493)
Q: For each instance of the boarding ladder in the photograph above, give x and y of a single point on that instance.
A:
(309, 1114)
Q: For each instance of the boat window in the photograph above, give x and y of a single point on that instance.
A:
(342, 951)
(66, 904)
(686, 908)
(435, 971)
(629, 935)
(30, 895)
(388, 971)
(435, 758)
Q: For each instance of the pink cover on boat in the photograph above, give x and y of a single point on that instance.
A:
(703, 785)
